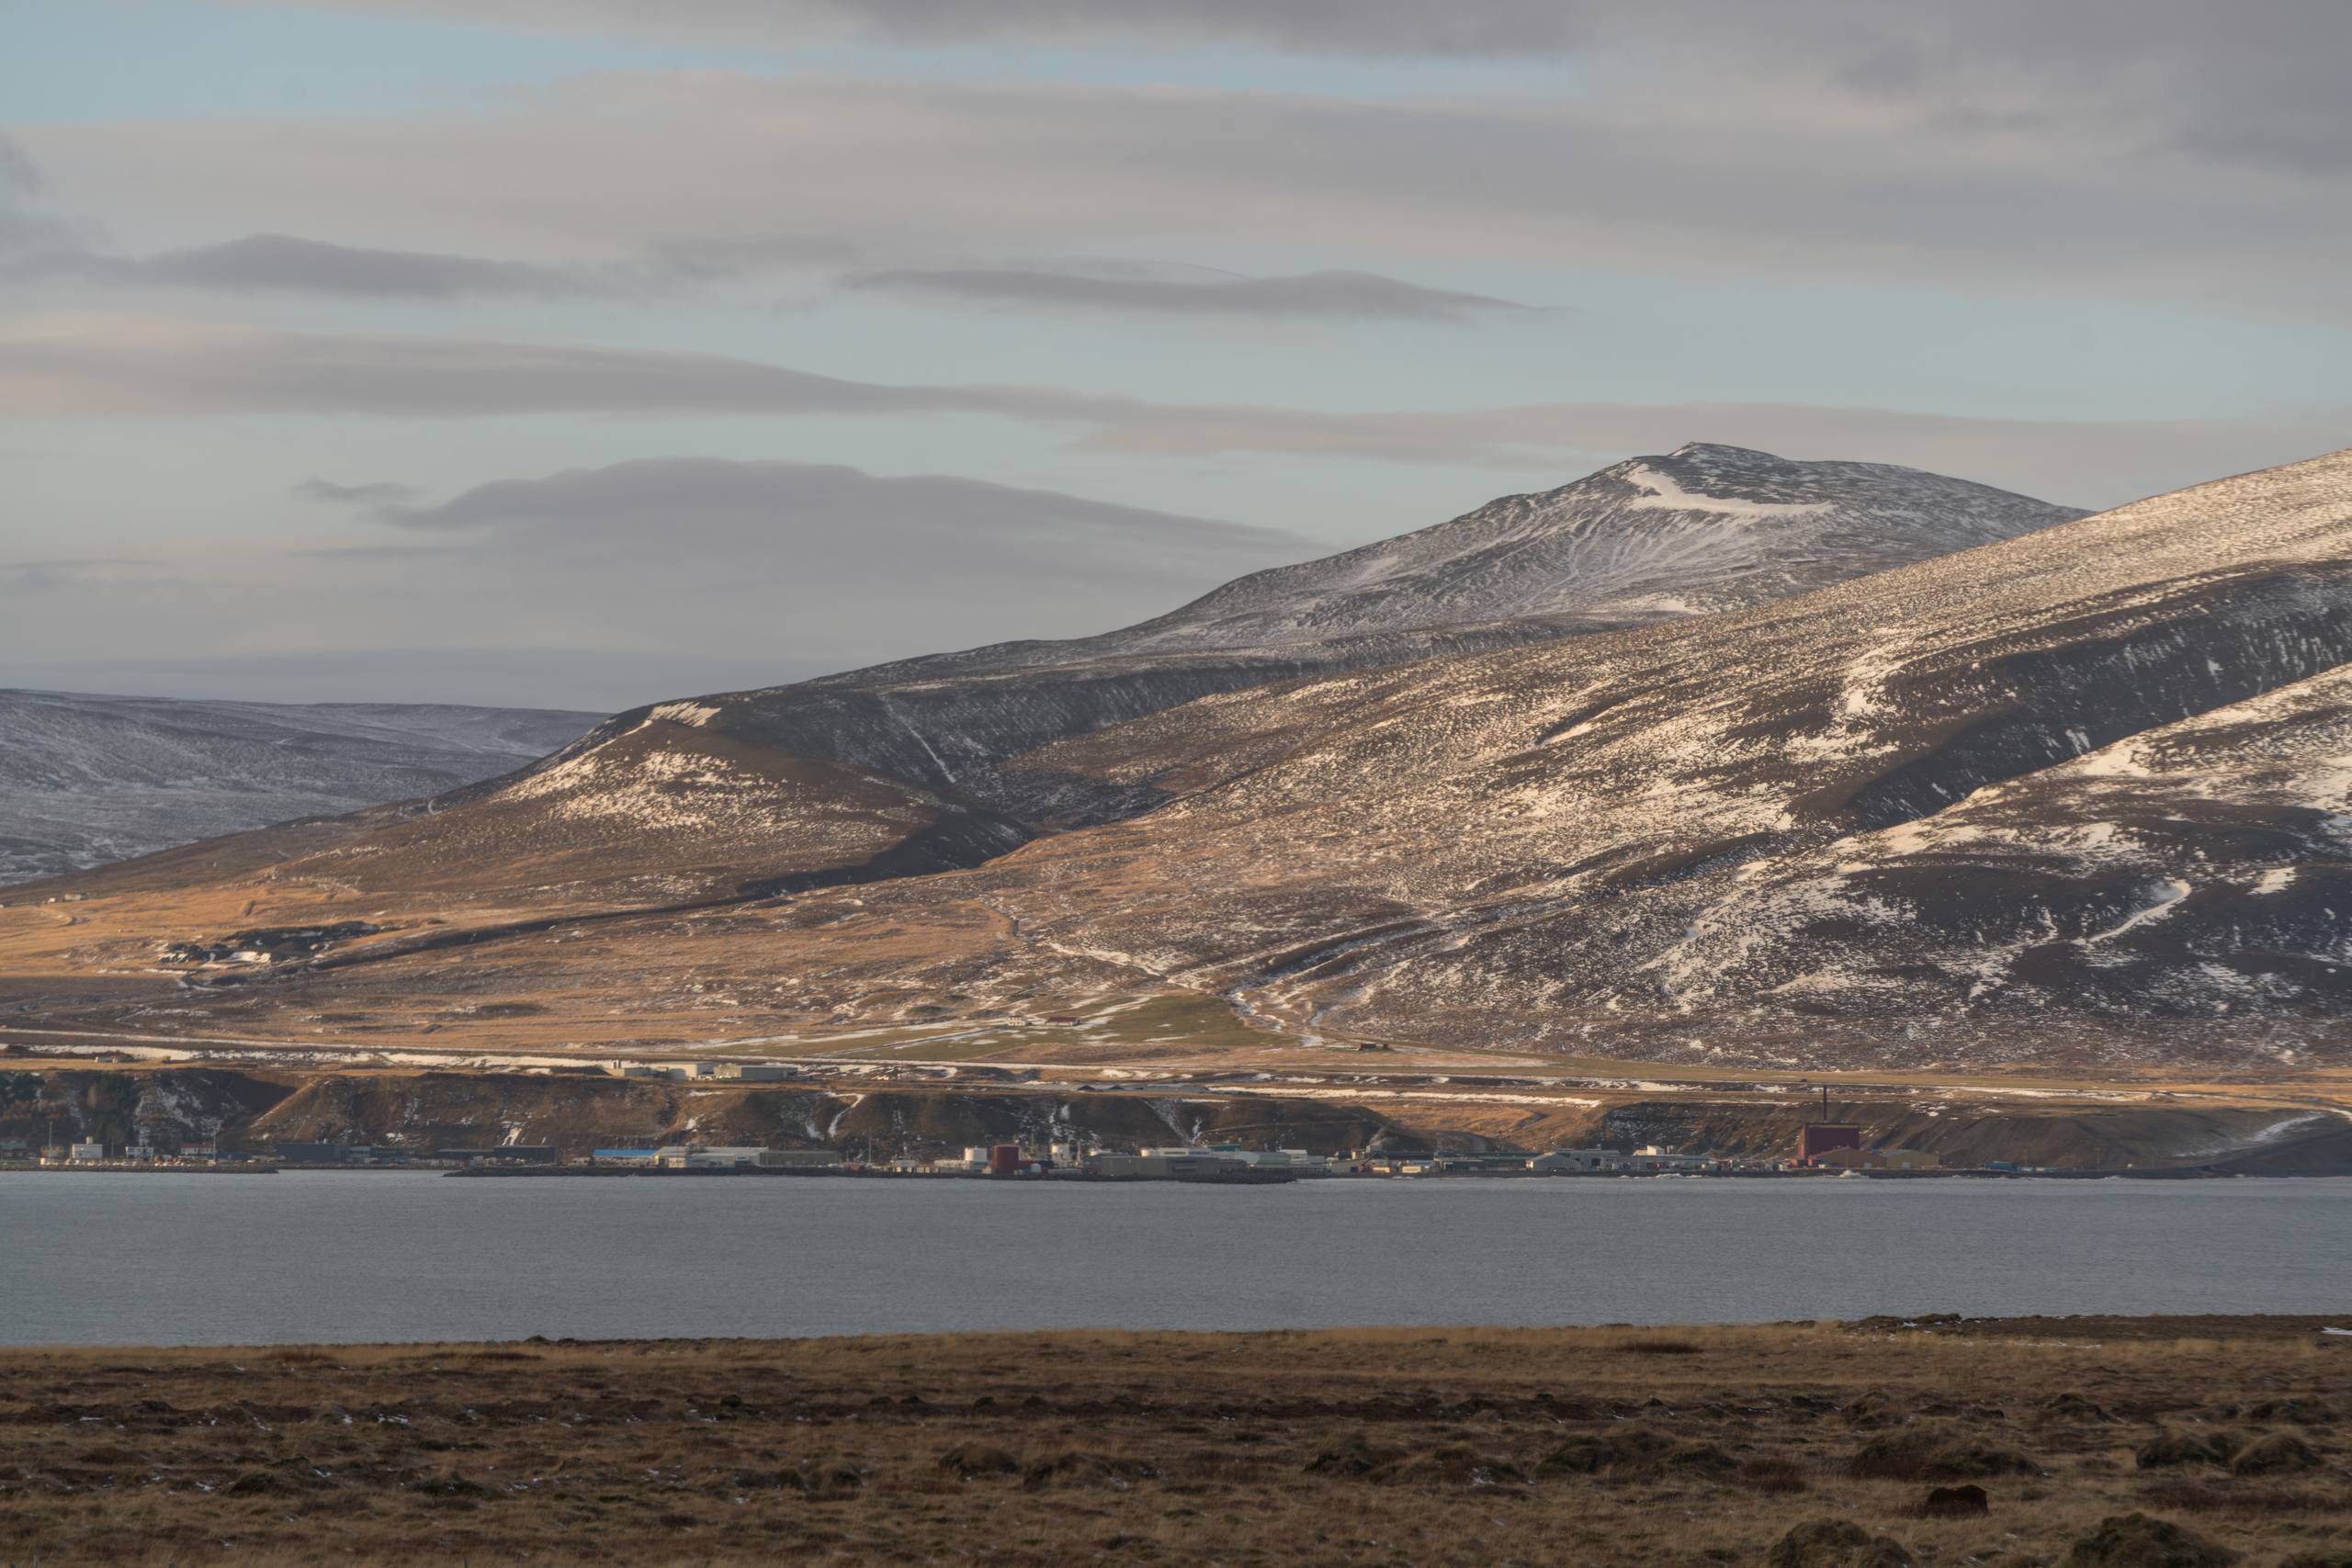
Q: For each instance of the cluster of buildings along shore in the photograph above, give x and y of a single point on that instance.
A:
(1821, 1147)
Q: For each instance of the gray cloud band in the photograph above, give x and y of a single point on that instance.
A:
(1358, 295)
(139, 367)
(769, 496)
(2258, 80)
(285, 262)
(2111, 187)
(727, 573)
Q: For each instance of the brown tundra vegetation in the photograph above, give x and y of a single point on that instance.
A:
(2139, 1443)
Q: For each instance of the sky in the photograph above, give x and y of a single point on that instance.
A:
(586, 352)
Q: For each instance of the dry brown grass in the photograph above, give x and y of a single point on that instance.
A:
(1392, 1447)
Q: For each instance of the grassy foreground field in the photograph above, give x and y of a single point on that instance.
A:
(1398, 1446)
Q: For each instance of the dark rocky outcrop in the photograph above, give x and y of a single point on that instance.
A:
(2279, 1453)
(1836, 1543)
(2167, 1448)
(1932, 1452)
(1955, 1503)
(2139, 1540)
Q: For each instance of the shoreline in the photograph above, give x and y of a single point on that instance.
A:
(610, 1172)
(2328, 1332)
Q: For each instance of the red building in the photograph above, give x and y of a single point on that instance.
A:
(1817, 1138)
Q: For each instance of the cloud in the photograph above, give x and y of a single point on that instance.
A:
(1923, 45)
(284, 262)
(18, 176)
(290, 264)
(604, 586)
(104, 363)
(1940, 154)
(2254, 82)
(23, 229)
(1358, 295)
(377, 494)
(710, 260)
(144, 366)
(828, 512)
(70, 572)
(1374, 27)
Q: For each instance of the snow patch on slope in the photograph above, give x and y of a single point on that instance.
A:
(1665, 494)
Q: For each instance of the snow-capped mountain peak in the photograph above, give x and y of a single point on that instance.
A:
(1704, 528)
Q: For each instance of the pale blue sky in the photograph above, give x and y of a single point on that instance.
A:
(2017, 243)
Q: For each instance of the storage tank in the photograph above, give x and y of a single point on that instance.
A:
(1004, 1159)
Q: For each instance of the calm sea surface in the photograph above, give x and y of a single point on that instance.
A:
(95, 1258)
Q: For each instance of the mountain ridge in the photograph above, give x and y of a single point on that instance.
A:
(2081, 797)
(1860, 707)
(1519, 569)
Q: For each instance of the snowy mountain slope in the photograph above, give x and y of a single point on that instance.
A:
(86, 779)
(892, 770)
(1730, 838)
(665, 813)
(1716, 525)
(2193, 869)
(1701, 529)
(1547, 840)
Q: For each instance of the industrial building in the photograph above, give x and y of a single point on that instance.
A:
(798, 1159)
(1654, 1161)
(1879, 1159)
(1210, 1163)
(301, 1152)
(723, 1072)
(1570, 1161)
(1482, 1165)
(696, 1156)
(1817, 1138)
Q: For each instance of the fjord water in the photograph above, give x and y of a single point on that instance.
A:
(168, 1259)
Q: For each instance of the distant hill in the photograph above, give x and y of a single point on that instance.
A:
(85, 779)
(704, 796)
(898, 769)
(2077, 802)
(2094, 783)
(1701, 529)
